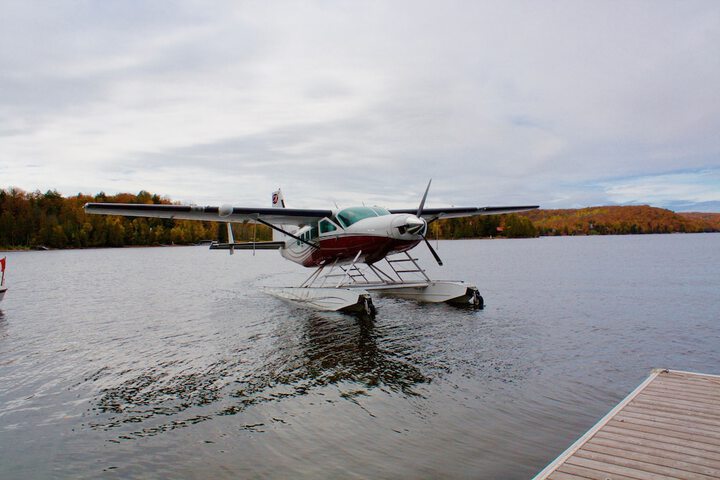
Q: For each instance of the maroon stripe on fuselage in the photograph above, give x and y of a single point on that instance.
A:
(344, 248)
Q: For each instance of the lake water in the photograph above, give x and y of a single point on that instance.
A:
(169, 363)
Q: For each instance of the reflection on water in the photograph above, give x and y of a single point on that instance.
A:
(317, 351)
(3, 325)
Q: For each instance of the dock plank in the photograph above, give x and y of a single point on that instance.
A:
(671, 414)
(677, 405)
(662, 438)
(635, 465)
(558, 475)
(690, 395)
(679, 399)
(589, 473)
(668, 427)
(660, 443)
(712, 442)
(666, 422)
(676, 426)
(655, 458)
(679, 387)
(664, 406)
(688, 455)
(613, 469)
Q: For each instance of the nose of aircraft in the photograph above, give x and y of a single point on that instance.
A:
(414, 225)
(410, 225)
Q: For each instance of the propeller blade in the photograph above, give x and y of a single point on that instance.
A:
(422, 202)
(432, 250)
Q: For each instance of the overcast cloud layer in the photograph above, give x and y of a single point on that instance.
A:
(565, 104)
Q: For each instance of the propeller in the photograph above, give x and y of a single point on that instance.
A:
(419, 213)
(422, 202)
(432, 250)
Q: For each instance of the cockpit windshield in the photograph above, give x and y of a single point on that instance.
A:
(348, 216)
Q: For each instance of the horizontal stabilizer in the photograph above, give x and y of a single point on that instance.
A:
(247, 246)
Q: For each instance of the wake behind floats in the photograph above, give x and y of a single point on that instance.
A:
(355, 250)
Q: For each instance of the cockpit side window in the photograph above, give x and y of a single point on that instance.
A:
(326, 226)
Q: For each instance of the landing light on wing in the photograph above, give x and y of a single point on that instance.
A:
(225, 210)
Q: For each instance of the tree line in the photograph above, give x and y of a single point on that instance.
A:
(620, 220)
(29, 220)
(33, 219)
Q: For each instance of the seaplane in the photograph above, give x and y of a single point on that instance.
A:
(354, 251)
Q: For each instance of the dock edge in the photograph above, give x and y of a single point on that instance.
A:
(558, 462)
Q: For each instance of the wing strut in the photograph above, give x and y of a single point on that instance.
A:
(231, 238)
(275, 227)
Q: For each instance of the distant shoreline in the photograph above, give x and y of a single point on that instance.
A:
(34, 221)
(30, 249)
(46, 249)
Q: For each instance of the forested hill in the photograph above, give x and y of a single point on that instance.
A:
(711, 219)
(48, 219)
(613, 220)
(619, 220)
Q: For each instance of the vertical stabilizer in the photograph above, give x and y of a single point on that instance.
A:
(278, 201)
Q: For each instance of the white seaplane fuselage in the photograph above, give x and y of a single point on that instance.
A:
(373, 232)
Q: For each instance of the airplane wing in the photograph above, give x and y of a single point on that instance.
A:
(278, 216)
(432, 214)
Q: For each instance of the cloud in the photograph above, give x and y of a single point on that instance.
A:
(674, 189)
(499, 103)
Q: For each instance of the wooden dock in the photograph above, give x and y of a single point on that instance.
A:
(668, 427)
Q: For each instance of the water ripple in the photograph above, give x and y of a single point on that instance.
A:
(168, 363)
(297, 358)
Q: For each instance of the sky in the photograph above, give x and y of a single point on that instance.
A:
(564, 104)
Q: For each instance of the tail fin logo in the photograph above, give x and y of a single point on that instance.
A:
(277, 199)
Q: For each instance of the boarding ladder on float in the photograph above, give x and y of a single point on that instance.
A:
(402, 277)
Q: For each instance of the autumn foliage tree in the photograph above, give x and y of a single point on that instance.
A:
(620, 220)
(510, 226)
(31, 219)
